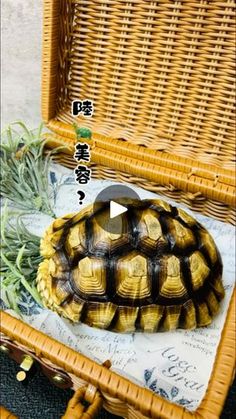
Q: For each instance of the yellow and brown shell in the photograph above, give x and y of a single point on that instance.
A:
(159, 273)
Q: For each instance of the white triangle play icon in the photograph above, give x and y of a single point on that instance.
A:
(116, 209)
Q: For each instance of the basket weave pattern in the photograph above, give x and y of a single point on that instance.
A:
(161, 76)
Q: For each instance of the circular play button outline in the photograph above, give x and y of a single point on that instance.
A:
(117, 198)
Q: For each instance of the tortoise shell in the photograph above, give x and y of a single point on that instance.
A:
(161, 271)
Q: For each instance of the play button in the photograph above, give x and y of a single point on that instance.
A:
(113, 209)
(116, 209)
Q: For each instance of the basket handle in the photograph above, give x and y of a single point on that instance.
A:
(77, 410)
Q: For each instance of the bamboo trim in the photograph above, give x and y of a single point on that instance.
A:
(223, 369)
(188, 166)
(50, 58)
(118, 387)
(163, 175)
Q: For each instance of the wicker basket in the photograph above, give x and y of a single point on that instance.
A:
(161, 76)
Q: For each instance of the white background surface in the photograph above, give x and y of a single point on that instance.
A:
(21, 31)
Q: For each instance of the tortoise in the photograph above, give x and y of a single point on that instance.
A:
(160, 271)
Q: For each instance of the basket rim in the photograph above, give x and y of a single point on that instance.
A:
(163, 168)
(109, 382)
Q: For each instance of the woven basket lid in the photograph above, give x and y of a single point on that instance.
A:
(161, 78)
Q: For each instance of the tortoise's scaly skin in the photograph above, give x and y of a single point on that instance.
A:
(161, 272)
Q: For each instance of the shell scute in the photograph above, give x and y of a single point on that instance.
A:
(150, 317)
(151, 237)
(199, 269)
(131, 277)
(73, 309)
(188, 219)
(104, 240)
(171, 279)
(62, 290)
(75, 243)
(188, 318)
(208, 245)
(89, 277)
(171, 319)
(100, 314)
(203, 315)
(126, 319)
(181, 237)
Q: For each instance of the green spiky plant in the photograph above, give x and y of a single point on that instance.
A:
(20, 257)
(24, 180)
(25, 169)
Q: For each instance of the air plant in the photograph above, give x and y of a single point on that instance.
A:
(19, 257)
(25, 168)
